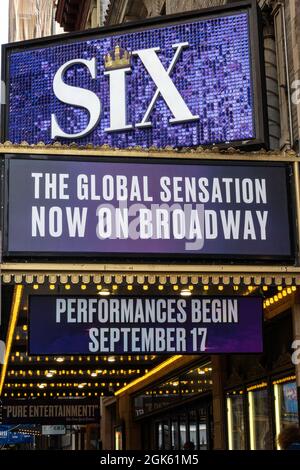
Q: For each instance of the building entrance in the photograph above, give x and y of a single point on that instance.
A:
(188, 427)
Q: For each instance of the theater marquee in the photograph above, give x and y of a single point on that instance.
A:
(144, 325)
(176, 82)
(147, 208)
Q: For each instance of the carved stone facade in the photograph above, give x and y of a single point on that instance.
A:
(30, 19)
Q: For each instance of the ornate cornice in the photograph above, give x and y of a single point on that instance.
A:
(72, 14)
(199, 152)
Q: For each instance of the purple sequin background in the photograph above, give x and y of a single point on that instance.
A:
(213, 76)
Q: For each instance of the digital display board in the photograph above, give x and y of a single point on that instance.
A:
(181, 82)
(133, 208)
(144, 325)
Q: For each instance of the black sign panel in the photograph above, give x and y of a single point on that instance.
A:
(138, 207)
(144, 325)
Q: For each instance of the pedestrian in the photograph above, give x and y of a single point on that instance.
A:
(289, 438)
(189, 445)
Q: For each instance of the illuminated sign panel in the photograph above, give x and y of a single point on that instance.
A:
(62, 411)
(144, 325)
(147, 208)
(180, 83)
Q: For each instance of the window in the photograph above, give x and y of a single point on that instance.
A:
(159, 436)
(182, 430)
(192, 382)
(174, 433)
(165, 393)
(286, 403)
(193, 427)
(184, 425)
(261, 437)
(142, 404)
(236, 421)
(196, 380)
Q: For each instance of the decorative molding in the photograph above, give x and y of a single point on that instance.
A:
(217, 153)
(72, 15)
(138, 275)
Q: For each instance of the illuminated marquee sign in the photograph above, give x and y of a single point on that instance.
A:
(144, 325)
(147, 208)
(188, 82)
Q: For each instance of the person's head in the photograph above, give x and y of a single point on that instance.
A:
(189, 445)
(288, 436)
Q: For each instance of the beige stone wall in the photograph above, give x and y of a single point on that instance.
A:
(176, 6)
(30, 19)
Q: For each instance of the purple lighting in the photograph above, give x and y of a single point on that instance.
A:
(212, 74)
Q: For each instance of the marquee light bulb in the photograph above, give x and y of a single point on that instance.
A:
(52, 287)
(43, 385)
(104, 292)
(185, 293)
(59, 359)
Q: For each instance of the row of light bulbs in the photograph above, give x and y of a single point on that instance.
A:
(61, 359)
(52, 373)
(281, 294)
(53, 394)
(61, 385)
(28, 432)
(186, 291)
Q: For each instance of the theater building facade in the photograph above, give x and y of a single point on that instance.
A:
(150, 228)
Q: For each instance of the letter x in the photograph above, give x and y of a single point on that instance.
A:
(165, 85)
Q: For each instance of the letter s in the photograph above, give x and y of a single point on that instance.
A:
(76, 96)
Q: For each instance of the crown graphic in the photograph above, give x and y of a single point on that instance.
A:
(117, 59)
